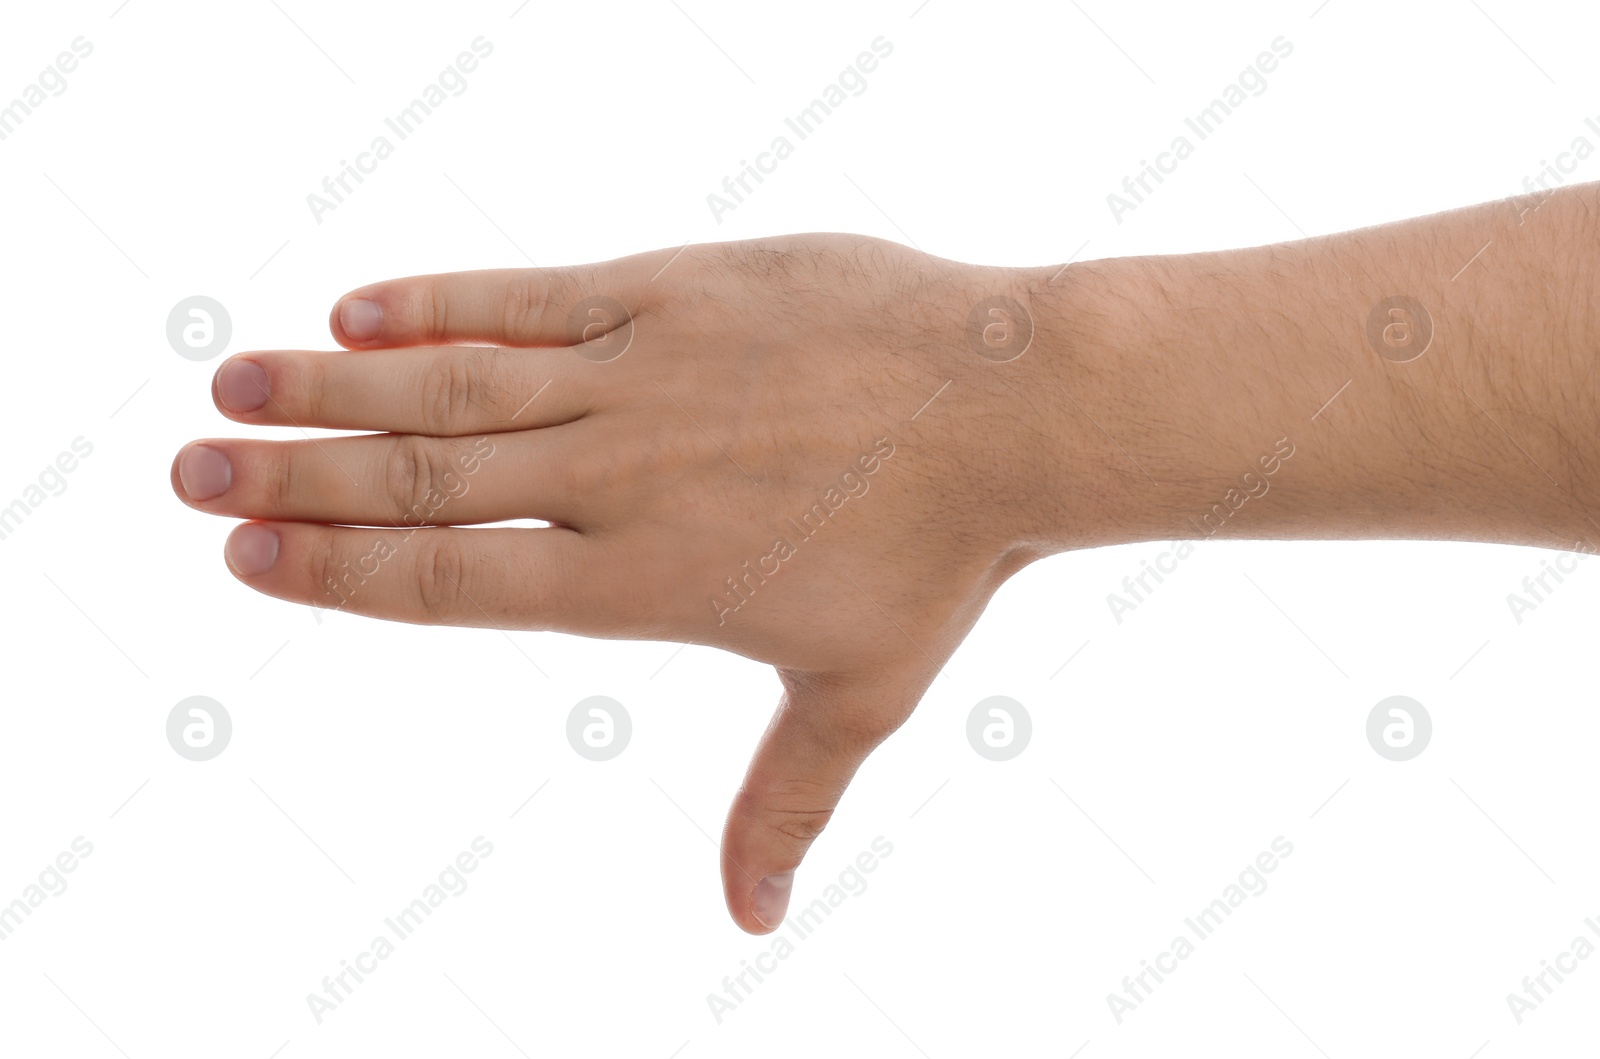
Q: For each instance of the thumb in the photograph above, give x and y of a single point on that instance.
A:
(822, 731)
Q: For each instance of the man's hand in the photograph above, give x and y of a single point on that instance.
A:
(827, 452)
(822, 452)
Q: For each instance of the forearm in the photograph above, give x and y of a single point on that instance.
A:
(715, 461)
(1184, 382)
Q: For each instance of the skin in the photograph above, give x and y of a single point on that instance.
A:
(672, 444)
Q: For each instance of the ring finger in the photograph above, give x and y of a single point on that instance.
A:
(383, 479)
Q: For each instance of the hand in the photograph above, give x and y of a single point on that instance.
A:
(789, 448)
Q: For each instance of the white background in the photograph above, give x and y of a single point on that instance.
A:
(1226, 711)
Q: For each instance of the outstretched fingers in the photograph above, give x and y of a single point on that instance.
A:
(505, 307)
(387, 479)
(498, 578)
(442, 392)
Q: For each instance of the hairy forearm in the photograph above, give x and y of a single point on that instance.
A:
(1271, 392)
(709, 432)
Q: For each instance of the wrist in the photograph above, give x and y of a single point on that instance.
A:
(1027, 344)
(1096, 372)
(1171, 416)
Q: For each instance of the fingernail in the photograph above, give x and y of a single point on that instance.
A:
(360, 318)
(242, 385)
(204, 472)
(771, 899)
(252, 550)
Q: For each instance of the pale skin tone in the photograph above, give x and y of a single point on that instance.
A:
(758, 376)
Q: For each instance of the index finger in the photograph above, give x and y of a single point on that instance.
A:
(505, 307)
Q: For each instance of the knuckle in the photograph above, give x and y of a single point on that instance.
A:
(798, 808)
(857, 733)
(433, 311)
(409, 478)
(311, 389)
(440, 569)
(450, 392)
(802, 826)
(282, 477)
(324, 567)
(525, 302)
